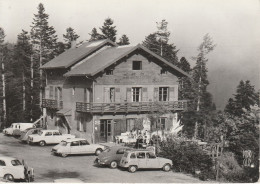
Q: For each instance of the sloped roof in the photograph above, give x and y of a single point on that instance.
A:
(109, 56)
(71, 56)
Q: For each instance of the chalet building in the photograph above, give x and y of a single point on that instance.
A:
(99, 90)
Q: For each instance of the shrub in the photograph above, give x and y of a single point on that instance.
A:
(187, 156)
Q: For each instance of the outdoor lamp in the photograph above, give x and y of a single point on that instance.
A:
(252, 165)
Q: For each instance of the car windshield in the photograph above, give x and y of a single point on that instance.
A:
(15, 162)
(63, 143)
(107, 150)
(40, 133)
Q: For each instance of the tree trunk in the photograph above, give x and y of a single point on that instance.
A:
(41, 85)
(4, 100)
(31, 67)
(23, 92)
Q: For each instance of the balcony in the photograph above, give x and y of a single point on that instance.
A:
(128, 107)
(52, 104)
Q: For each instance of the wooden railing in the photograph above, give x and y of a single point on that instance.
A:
(130, 107)
(52, 104)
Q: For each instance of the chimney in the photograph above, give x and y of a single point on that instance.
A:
(73, 44)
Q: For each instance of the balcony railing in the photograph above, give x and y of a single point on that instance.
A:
(52, 104)
(130, 107)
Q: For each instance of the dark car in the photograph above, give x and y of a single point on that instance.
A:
(111, 156)
(27, 132)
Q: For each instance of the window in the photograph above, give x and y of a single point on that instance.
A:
(112, 94)
(81, 124)
(84, 142)
(120, 151)
(132, 155)
(136, 94)
(48, 134)
(74, 143)
(163, 71)
(56, 133)
(137, 65)
(15, 162)
(150, 155)
(109, 72)
(163, 94)
(141, 155)
(2, 163)
(161, 124)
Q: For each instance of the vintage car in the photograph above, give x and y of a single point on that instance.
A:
(17, 126)
(12, 169)
(76, 146)
(111, 156)
(48, 137)
(29, 131)
(144, 159)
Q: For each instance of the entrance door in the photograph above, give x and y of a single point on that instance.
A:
(105, 130)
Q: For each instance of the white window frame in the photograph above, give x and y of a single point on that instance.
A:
(162, 94)
(134, 92)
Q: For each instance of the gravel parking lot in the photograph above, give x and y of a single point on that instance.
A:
(48, 167)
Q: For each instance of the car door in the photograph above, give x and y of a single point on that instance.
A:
(141, 159)
(75, 147)
(48, 137)
(151, 160)
(85, 147)
(57, 137)
(2, 168)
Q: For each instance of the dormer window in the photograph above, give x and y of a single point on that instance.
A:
(109, 72)
(163, 71)
(137, 65)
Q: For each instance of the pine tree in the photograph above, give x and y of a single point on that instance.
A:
(245, 97)
(158, 43)
(69, 37)
(203, 98)
(124, 40)
(108, 30)
(44, 42)
(94, 35)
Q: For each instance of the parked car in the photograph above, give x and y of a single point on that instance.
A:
(48, 137)
(29, 131)
(12, 169)
(144, 159)
(77, 146)
(111, 156)
(17, 126)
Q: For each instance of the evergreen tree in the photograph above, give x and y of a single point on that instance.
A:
(124, 40)
(158, 43)
(2, 59)
(108, 30)
(44, 42)
(245, 97)
(69, 37)
(94, 35)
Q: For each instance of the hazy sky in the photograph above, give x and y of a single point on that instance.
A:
(234, 26)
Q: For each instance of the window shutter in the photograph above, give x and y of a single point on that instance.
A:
(78, 122)
(145, 95)
(106, 95)
(168, 123)
(56, 93)
(128, 94)
(51, 92)
(172, 94)
(117, 95)
(156, 94)
(85, 126)
(47, 91)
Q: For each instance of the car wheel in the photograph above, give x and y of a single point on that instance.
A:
(132, 168)
(113, 164)
(42, 143)
(98, 151)
(9, 177)
(167, 167)
(64, 155)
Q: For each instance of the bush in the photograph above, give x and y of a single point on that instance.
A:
(187, 156)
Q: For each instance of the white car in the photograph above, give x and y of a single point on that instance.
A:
(12, 168)
(17, 126)
(77, 146)
(48, 137)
